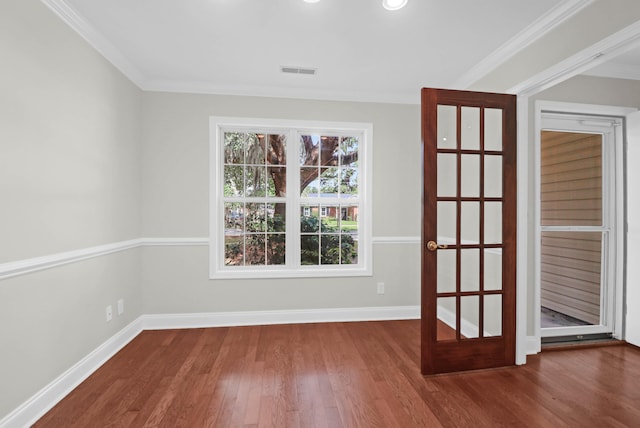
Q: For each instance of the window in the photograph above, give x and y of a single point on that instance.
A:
(289, 198)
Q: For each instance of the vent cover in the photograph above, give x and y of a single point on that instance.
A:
(298, 70)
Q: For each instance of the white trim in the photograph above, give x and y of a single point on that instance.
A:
(40, 403)
(209, 88)
(25, 266)
(618, 43)
(155, 242)
(533, 345)
(580, 109)
(292, 268)
(467, 328)
(396, 240)
(533, 32)
(522, 232)
(295, 316)
(70, 17)
(21, 267)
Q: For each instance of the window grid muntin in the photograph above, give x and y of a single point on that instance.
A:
(362, 267)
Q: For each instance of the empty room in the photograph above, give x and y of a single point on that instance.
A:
(319, 213)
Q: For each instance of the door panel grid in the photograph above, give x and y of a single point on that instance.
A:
(469, 208)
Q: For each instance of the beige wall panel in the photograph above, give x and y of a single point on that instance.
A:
(175, 203)
(69, 134)
(176, 157)
(53, 318)
(175, 280)
(69, 179)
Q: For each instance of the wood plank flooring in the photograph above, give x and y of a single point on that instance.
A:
(363, 374)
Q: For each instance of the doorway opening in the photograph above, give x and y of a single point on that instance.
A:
(579, 200)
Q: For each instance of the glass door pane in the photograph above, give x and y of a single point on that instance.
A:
(575, 226)
(469, 230)
(570, 277)
(469, 220)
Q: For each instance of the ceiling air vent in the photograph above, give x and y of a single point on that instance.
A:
(298, 70)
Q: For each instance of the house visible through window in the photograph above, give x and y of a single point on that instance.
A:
(289, 198)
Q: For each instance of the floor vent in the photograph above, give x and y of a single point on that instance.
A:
(298, 70)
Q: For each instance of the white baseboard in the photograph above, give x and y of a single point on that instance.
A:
(35, 407)
(533, 345)
(467, 328)
(225, 319)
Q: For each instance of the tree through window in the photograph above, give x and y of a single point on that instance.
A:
(288, 198)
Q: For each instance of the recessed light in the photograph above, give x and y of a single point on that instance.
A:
(311, 1)
(394, 4)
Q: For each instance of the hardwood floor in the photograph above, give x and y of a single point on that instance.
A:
(362, 374)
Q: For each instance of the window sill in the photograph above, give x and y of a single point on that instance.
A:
(303, 272)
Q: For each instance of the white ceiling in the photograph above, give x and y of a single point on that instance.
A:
(360, 50)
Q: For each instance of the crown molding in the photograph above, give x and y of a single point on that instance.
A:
(209, 88)
(533, 32)
(89, 33)
(96, 40)
(74, 20)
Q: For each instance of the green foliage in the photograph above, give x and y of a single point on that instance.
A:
(252, 169)
(335, 248)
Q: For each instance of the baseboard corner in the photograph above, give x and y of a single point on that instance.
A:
(36, 406)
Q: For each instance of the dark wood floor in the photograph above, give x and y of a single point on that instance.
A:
(342, 375)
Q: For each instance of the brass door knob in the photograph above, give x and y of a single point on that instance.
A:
(433, 245)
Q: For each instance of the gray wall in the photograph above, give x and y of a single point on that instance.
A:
(87, 159)
(69, 179)
(175, 189)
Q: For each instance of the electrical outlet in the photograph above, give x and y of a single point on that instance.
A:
(381, 288)
(120, 306)
(109, 313)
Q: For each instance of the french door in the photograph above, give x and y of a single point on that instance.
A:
(577, 224)
(468, 230)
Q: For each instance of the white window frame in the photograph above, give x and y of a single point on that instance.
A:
(293, 129)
